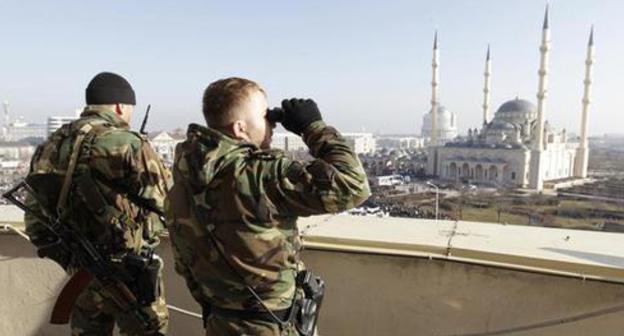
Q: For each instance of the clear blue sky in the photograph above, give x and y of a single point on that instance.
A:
(367, 63)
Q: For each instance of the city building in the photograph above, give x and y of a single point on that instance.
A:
(517, 147)
(399, 142)
(410, 162)
(359, 142)
(19, 130)
(164, 144)
(55, 122)
(288, 142)
(16, 150)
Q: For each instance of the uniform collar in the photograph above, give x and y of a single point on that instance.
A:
(216, 135)
(105, 113)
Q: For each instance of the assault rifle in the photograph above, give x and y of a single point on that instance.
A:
(93, 266)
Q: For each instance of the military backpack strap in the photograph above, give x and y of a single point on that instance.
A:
(62, 200)
(91, 192)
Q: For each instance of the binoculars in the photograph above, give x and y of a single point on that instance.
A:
(275, 115)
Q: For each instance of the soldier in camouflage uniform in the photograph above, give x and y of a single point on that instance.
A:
(123, 167)
(228, 180)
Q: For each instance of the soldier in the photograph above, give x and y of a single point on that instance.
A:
(232, 212)
(106, 182)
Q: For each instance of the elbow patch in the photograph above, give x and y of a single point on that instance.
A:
(318, 174)
(295, 173)
(322, 174)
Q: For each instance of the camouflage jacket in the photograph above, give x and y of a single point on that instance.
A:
(121, 163)
(252, 198)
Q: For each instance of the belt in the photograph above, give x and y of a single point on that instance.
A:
(283, 314)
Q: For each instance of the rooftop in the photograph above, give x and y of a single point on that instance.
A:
(584, 254)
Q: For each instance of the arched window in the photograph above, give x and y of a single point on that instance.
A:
(465, 171)
(453, 170)
(479, 172)
(493, 173)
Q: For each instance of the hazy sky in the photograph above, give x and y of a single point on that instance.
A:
(366, 63)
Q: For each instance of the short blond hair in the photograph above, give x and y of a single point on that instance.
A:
(223, 99)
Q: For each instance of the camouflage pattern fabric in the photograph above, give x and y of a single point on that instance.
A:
(94, 314)
(121, 162)
(221, 326)
(252, 199)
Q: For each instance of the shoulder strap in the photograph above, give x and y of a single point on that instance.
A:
(93, 128)
(62, 200)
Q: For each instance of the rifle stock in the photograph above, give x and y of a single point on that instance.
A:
(68, 296)
(118, 292)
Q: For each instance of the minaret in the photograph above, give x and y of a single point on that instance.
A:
(582, 153)
(486, 88)
(542, 90)
(434, 91)
(5, 106)
(536, 180)
(432, 158)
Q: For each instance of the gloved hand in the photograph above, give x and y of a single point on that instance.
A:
(299, 114)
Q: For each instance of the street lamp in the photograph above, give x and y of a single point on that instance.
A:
(437, 198)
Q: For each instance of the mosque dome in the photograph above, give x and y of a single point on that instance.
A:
(516, 111)
(508, 122)
(447, 124)
(502, 125)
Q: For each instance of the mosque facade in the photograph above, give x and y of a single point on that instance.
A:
(517, 147)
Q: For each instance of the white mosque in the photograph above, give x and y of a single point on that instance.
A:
(517, 147)
(446, 125)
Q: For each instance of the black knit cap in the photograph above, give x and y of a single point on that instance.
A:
(109, 88)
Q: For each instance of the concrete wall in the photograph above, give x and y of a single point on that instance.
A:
(28, 287)
(392, 295)
(367, 294)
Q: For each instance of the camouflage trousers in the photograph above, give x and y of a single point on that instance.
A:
(226, 326)
(95, 315)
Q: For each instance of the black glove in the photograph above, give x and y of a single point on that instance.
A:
(299, 114)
